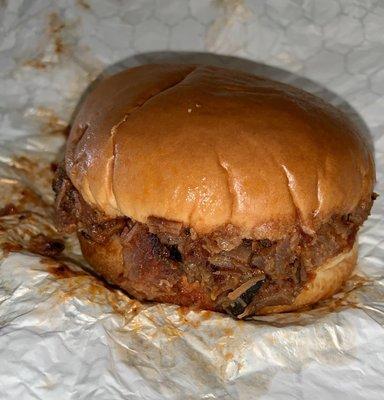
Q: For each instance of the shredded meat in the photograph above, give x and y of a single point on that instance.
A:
(234, 271)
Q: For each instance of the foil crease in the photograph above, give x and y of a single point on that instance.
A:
(66, 334)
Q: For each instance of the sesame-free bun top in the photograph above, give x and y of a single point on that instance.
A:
(208, 147)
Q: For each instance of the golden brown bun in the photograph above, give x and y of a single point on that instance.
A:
(209, 147)
(328, 280)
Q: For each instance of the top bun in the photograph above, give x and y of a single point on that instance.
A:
(208, 147)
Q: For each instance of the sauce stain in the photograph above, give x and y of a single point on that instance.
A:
(60, 270)
(228, 331)
(193, 317)
(55, 26)
(206, 315)
(83, 4)
(54, 40)
(51, 124)
(35, 63)
(45, 246)
(39, 244)
(88, 288)
(40, 174)
(9, 247)
(8, 209)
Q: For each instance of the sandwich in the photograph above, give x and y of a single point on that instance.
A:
(215, 189)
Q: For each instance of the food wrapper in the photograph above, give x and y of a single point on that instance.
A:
(65, 334)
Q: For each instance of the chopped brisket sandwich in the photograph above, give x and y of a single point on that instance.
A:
(213, 188)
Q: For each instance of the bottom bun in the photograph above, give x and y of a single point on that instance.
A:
(328, 280)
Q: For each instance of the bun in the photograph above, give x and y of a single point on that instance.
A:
(209, 147)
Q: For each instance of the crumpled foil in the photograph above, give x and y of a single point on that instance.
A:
(64, 334)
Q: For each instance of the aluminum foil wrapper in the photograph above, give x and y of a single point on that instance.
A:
(64, 334)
